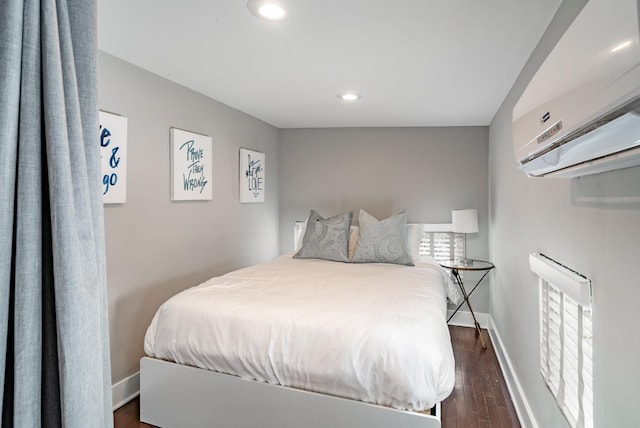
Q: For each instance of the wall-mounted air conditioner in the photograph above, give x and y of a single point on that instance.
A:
(580, 114)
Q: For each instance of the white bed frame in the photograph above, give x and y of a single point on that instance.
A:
(177, 396)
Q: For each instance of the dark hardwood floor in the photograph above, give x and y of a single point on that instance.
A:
(480, 398)
(128, 416)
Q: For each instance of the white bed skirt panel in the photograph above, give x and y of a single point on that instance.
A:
(174, 396)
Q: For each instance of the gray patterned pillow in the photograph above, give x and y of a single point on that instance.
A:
(382, 241)
(326, 238)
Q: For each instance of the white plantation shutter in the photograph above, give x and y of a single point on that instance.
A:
(566, 338)
(442, 245)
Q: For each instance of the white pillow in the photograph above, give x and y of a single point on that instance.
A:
(353, 240)
(299, 240)
(414, 237)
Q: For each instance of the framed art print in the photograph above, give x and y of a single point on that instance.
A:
(113, 151)
(252, 169)
(191, 166)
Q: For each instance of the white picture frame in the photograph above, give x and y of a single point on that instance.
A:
(252, 176)
(191, 166)
(113, 153)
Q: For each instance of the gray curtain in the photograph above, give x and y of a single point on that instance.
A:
(54, 344)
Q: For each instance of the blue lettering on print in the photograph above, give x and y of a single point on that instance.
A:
(109, 179)
(193, 178)
(254, 176)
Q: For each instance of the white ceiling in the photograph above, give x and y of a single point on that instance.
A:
(415, 62)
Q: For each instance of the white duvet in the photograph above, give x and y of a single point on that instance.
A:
(370, 332)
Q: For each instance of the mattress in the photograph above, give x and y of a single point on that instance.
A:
(370, 332)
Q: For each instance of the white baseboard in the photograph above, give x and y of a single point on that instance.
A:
(464, 319)
(126, 390)
(520, 402)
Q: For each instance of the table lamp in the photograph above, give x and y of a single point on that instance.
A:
(465, 221)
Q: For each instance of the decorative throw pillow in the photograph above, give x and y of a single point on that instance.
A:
(382, 241)
(326, 238)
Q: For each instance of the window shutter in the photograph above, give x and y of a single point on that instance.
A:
(566, 339)
(442, 245)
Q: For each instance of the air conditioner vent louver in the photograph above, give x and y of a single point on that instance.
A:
(631, 107)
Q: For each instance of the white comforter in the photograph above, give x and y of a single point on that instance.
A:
(370, 332)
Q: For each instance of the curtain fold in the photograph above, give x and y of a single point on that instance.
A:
(54, 344)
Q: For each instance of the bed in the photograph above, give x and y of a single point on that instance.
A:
(303, 342)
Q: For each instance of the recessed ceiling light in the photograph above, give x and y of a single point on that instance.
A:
(349, 96)
(270, 10)
(621, 46)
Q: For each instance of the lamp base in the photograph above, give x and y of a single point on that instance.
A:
(466, 262)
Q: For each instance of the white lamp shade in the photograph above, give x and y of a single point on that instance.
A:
(465, 221)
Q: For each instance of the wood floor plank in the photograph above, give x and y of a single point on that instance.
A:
(480, 397)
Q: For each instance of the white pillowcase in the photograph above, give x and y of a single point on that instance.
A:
(353, 240)
(302, 232)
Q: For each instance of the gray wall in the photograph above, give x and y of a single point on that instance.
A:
(156, 247)
(591, 224)
(427, 171)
